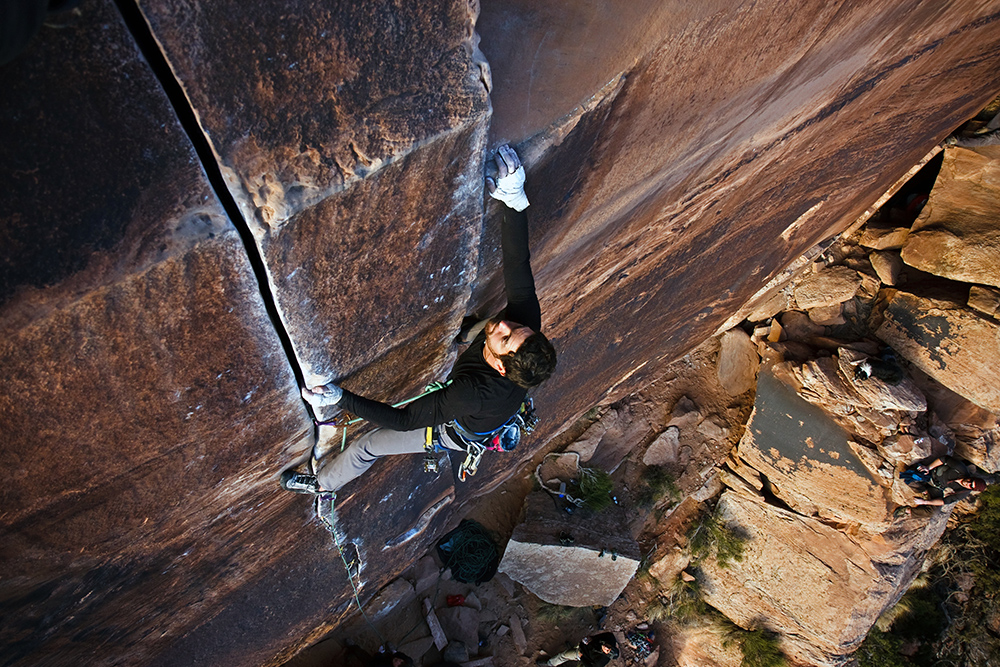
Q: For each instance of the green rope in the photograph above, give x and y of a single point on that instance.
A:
(472, 552)
(328, 522)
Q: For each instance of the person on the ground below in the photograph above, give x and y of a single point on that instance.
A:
(594, 651)
(945, 480)
(488, 383)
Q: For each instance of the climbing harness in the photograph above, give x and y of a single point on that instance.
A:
(501, 439)
(504, 438)
(324, 512)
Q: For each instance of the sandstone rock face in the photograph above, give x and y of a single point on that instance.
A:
(148, 404)
(956, 235)
(148, 378)
(951, 343)
(353, 140)
(595, 564)
(844, 573)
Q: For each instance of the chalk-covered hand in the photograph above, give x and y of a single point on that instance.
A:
(509, 184)
(325, 395)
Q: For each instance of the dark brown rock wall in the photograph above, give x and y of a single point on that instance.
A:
(147, 401)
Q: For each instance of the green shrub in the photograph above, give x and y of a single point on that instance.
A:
(683, 602)
(657, 483)
(712, 535)
(760, 647)
(880, 649)
(594, 489)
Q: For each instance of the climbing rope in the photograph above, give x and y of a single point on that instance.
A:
(470, 552)
(324, 511)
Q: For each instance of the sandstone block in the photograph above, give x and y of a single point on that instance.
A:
(806, 456)
(593, 569)
(713, 429)
(953, 344)
(888, 265)
(798, 325)
(737, 365)
(830, 286)
(851, 580)
(875, 393)
(986, 300)
(884, 238)
(827, 316)
(956, 235)
(461, 625)
(668, 567)
(663, 450)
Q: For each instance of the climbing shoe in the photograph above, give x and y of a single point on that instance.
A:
(299, 482)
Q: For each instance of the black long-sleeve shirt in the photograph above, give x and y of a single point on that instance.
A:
(479, 398)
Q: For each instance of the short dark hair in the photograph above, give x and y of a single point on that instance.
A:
(532, 363)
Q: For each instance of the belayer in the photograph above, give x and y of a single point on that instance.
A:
(487, 386)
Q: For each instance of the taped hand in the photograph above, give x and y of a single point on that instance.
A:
(509, 185)
(326, 395)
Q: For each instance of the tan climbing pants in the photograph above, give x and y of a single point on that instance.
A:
(565, 656)
(338, 468)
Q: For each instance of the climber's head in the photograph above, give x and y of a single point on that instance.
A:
(522, 355)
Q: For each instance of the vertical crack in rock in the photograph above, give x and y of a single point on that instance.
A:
(151, 51)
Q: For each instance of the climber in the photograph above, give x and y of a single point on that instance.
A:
(945, 480)
(488, 383)
(595, 651)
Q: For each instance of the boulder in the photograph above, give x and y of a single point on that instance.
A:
(986, 300)
(663, 450)
(806, 457)
(888, 265)
(955, 345)
(827, 316)
(956, 234)
(884, 238)
(669, 566)
(798, 326)
(851, 581)
(905, 396)
(593, 569)
(737, 364)
(714, 429)
(460, 625)
(827, 287)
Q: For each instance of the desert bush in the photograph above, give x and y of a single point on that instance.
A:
(594, 489)
(713, 535)
(880, 649)
(657, 484)
(760, 647)
(681, 602)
